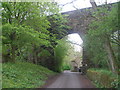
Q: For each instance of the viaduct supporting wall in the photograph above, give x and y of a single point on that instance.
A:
(79, 20)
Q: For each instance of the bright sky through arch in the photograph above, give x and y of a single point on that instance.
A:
(75, 38)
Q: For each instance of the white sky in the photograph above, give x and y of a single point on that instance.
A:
(75, 38)
(80, 4)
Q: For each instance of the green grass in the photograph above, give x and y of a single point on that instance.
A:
(0, 76)
(66, 67)
(24, 75)
(103, 78)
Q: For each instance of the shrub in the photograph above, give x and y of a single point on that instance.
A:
(103, 78)
(66, 67)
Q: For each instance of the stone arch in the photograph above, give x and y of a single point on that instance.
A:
(79, 20)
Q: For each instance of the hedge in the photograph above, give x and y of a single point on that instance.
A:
(103, 78)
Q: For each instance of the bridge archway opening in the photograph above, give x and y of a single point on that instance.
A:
(74, 56)
(77, 43)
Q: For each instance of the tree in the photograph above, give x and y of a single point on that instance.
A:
(27, 34)
(17, 36)
(101, 29)
(21, 30)
(61, 50)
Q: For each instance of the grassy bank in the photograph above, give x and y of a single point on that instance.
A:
(24, 75)
(103, 78)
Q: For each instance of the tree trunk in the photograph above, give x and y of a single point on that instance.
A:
(13, 54)
(35, 58)
(109, 66)
(30, 57)
(93, 3)
(111, 56)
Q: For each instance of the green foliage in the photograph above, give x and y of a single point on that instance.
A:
(44, 53)
(58, 25)
(27, 37)
(103, 78)
(20, 12)
(66, 67)
(24, 75)
(26, 31)
(0, 75)
(101, 29)
(21, 35)
(60, 52)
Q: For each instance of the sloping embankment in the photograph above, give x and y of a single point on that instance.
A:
(24, 75)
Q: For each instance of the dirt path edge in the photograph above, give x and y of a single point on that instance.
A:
(50, 80)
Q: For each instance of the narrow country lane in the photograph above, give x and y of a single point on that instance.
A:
(71, 80)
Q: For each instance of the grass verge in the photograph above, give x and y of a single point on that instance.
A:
(24, 75)
(103, 78)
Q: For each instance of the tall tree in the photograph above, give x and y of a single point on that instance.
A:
(31, 18)
(101, 29)
(28, 32)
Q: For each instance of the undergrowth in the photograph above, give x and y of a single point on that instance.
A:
(103, 78)
(24, 75)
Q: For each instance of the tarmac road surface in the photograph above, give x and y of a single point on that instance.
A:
(71, 80)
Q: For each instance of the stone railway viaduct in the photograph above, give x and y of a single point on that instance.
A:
(79, 20)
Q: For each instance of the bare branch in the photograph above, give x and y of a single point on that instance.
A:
(75, 7)
(75, 43)
(68, 3)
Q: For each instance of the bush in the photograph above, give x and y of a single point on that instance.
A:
(66, 67)
(24, 75)
(103, 78)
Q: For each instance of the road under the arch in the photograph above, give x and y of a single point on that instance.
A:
(71, 80)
